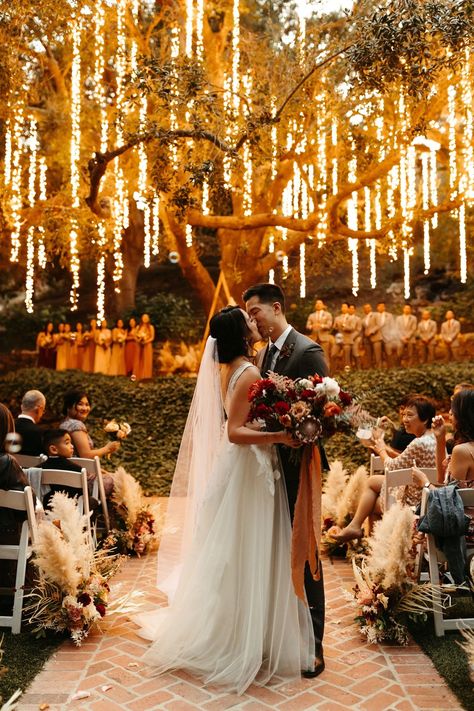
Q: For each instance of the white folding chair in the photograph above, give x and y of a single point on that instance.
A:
(376, 464)
(28, 460)
(403, 477)
(435, 556)
(74, 480)
(21, 551)
(92, 466)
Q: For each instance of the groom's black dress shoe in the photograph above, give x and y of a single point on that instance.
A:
(317, 669)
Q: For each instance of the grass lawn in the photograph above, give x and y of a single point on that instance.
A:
(23, 658)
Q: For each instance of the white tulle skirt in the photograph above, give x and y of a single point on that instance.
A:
(234, 619)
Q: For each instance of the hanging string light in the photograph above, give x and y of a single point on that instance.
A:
(7, 170)
(302, 270)
(468, 137)
(352, 221)
(99, 68)
(433, 186)
(140, 196)
(134, 10)
(41, 252)
(334, 157)
(30, 240)
(228, 103)
(407, 252)
(173, 116)
(235, 53)
(188, 44)
(462, 243)
(451, 120)
(425, 193)
(205, 197)
(155, 247)
(368, 227)
(200, 30)
(101, 272)
(75, 158)
(16, 170)
(247, 154)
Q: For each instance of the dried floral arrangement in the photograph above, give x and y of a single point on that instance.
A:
(341, 495)
(386, 591)
(71, 592)
(137, 524)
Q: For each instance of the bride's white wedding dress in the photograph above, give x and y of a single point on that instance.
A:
(234, 618)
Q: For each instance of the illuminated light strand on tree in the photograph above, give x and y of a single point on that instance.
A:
(140, 196)
(75, 156)
(155, 245)
(451, 120)
(7, 163)
(189, 26)
(227, 161)
(205, 197)
(189, 235)
(101, 272)
(352, 221)
(99, 68)
(377, 196)
(302, 270)
(433, 186)
(425, 192)
(334, 161)
(200, 30)
(134, 10)
(30, 240)
(235, 53)
(407, 252)
(15, 196)
(468, 137)
(174, 45)
(42, 170)
(247, 154)
(462, 243)
(271, 276)
(368, 227)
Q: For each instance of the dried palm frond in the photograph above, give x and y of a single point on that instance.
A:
(350, 497)
(333, 488)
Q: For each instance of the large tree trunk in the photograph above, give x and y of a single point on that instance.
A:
(132, 251)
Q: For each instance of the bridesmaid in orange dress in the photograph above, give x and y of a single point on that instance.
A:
(131, 348)
(46, 348)
(61, 346)
(145, 338)
(89, 347)
(103, 342)
(68, 342)
(117, 359)
(77, 347)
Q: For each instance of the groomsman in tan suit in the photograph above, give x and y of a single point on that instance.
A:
(450, 330)
(426, 332)
(319, 326)
(406, 327)
(346, 325)
(388, 332)
(358, 335)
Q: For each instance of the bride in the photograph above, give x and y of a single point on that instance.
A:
(233, 618)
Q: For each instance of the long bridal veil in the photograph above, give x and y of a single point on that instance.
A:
(199, 445)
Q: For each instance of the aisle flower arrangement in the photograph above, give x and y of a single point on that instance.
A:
(341, 495)
(137, 525)
(386, 591)
(309, 408)
(71, 593)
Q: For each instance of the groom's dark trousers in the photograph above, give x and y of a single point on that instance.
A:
(301, 357)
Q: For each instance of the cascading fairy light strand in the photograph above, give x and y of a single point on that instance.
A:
(75, 158)
(377, 196)
(134, 12)
(155, 244)
(99, 68)
(7, 170)
(42, 195)
(188, 44)
(468, 138)
(425, 196)
(433, 182)
(352, 221)
(462, 243)
(302, 270)
(30, 239)
(235, 53)
(368, 227)
(16, 171)
(101, 272)
(141, 197)
(247, 155)
(200, 30)
(174, 45)
(334, 160)
(453, 171)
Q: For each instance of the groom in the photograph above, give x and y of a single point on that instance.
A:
(296, 356)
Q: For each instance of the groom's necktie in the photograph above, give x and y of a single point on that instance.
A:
(267, 363)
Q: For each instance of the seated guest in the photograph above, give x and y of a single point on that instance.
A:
(417, 418)
(26, 424)
(400, 438)
(76, 408)
(59, 448)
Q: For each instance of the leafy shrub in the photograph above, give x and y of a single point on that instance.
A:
(174, 317)
(21, 328)
(157, 410)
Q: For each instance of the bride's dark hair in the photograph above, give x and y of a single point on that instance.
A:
(230, 330)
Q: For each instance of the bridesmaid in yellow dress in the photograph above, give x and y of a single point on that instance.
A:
(103, 341)
(61, 346)
(89, 347)
(46, 347)
(145, 338)
(68, 343)
(77, 347)
(131, 348)
(117, 360)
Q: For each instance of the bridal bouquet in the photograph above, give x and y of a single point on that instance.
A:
(117, 430)
(309, 408)
(71, 592)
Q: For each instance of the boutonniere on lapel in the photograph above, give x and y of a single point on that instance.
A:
(286, 350)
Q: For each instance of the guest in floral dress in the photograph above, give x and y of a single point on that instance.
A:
(417, 418)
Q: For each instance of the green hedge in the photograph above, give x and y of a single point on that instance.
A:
(157, 410)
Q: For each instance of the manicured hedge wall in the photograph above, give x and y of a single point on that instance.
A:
(157, 410)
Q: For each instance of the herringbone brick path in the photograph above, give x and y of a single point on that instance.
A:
(107, 668)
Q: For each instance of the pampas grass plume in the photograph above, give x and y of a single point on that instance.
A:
(73, 528)
(54, 559)
(332, 489)
(347, 504)
(389, 546)
(127, 493)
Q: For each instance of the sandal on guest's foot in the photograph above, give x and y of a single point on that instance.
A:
(347, 534)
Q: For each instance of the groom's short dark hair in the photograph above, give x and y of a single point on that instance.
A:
(267, 293)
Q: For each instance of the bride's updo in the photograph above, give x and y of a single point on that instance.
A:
(230, 330)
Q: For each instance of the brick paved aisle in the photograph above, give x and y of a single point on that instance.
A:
(108, 668)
